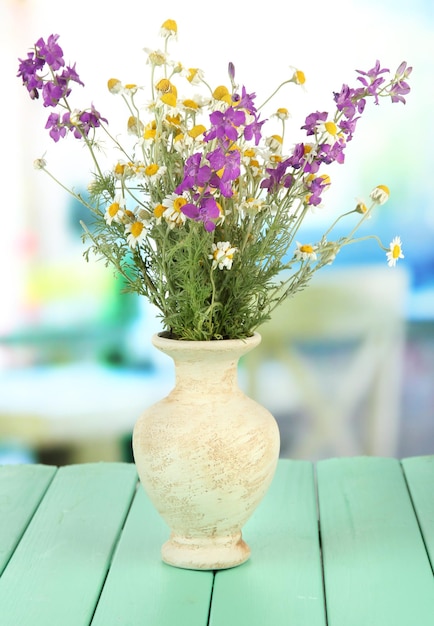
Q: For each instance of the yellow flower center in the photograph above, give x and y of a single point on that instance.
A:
(113, 209)
(159, 210)
(396, 251)
(190, 104)
(197, 130)
(136, 229)
(384, 188)
(299, 77)
(331, 128)
(151, 169)
(169, 99)
(170, 25)
(119, 169)
(175, 120)
(221, 93)
(164, 85)
(113, 84)
(178, 203)
(192, 73)
(306, 248)
(149, 133)
(130, 86)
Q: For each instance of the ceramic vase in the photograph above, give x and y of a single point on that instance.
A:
(206, 454)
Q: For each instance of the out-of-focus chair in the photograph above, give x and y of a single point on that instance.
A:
(338, 349)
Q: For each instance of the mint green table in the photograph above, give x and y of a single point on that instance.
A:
(348, 542)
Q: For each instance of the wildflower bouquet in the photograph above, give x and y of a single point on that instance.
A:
(200, 208)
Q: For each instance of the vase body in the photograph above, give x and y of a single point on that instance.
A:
(206, 454)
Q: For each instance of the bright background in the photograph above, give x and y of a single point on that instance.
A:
(49, 292)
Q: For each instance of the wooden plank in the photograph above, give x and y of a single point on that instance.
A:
(281, 584)
(21, 490)
(376, 569)
(58, 569)
(419, 472)
(141, 589)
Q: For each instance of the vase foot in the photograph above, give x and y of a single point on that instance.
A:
(205, 553)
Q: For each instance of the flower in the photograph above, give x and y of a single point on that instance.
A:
(217, 195)
(222, 255)
(395, 252)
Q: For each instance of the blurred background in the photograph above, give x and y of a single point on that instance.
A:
(347, 367)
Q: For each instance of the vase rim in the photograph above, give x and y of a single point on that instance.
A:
(216, 345)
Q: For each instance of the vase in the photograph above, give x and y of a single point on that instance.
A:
(206, 454)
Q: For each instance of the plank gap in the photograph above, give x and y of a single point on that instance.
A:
(211, 595)
(321, 554)
(407, 484)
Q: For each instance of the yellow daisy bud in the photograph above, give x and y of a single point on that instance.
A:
(380, 194)
(114, 85)
(169, 27)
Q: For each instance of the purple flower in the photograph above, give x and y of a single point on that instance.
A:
(330, 153)
(400, 87)
(195, 174)
(57, 127)
(372, 80)
(52, 92)
(91, 119)
(254, 130)
(225, 124)
(50, 52)
(246, 101)
(27, 70)
(312, 121)
(278, 178)
(315, 188)
(206, 211)
(70, 73)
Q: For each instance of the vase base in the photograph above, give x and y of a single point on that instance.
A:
(205, 553)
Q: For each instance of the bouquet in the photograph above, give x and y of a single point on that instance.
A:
(192, 202)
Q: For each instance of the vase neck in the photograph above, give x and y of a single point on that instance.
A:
(207, 375)
(206, 366)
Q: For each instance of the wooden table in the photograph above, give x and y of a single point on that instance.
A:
(80, 545)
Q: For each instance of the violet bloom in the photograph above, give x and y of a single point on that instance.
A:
(246, 101)
(91, 119)
(278, 178)
(400, 87)
(206, 211)
(27, 70)
(254, 130)
(50, 52)
(312, 121)
(227, 164)
(225, 124)
(372, 80)
(58, 128)
(315, 188)
(195, 174)
(52, 93)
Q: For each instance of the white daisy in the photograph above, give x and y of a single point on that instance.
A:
(305, 252)
(173, 214)
(395, 252)
(222, 255)
(136, 232)
(116, 210)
